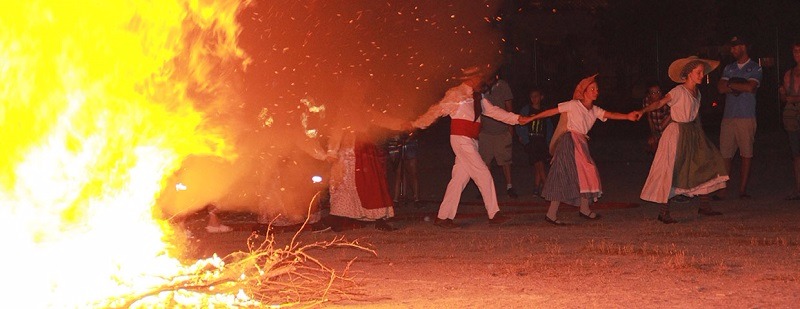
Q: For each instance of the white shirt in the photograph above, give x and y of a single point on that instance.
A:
(580, 119)
(457, 103)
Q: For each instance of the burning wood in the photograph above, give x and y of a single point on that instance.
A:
(288, 276)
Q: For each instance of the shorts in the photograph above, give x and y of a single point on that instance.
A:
(495, 146)
(794, 142)
(537, 150)
(737, 133)
(410, 149)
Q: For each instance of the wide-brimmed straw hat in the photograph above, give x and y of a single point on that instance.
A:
(677, 66)
(581, 88)
(471, 72)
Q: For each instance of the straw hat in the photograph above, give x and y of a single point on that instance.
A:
(677, 66)
(581, 88)
(471, 72)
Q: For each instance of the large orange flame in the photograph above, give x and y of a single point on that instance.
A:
(101, 101)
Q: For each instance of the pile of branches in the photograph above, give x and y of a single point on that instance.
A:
(264, 276)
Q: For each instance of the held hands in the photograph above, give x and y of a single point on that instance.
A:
(524, 119)
(634, 115)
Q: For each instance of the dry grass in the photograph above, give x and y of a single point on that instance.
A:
(776, 241)
(645, 249)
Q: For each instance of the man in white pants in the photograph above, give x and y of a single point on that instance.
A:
(459, 104)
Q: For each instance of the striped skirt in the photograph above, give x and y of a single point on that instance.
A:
(686, 163)
(573, 174)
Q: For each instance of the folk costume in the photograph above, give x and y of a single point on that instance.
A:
(573, 174)
(686, 162)
(459, 104)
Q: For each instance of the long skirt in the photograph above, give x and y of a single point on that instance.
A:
(573, 174)
(362, 192)
(686, 163)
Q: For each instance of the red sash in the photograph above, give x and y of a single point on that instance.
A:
(465, 127)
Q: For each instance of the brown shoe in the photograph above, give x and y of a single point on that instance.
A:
(445, 223)
(499, 218)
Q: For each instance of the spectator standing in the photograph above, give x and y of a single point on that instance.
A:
(495, 139)
(790, 96)
(402, 149)
(535, 138)
(739, 83)
(658, 119)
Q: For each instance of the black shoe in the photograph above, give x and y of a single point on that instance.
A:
(512, 193)
(383, 225)
(589, 216)
(708, 212)
(318, 227)
(666, 219)
(554, 221)
(499, 218)
(445, 223)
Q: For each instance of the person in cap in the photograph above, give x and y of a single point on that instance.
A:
(573, 176)
(465, 104)
(686, 162)
(790, 96)
(739, 83)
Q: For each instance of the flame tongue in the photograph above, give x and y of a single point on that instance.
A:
(94, 116)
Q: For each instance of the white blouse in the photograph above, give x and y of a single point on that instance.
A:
(580, 119)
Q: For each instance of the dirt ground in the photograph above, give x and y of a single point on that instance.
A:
(747, 258)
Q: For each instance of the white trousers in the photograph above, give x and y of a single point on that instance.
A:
(468, 165)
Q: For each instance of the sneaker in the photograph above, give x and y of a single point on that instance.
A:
(445, 223)
(218, 229)
(512, 193)
(499, 218)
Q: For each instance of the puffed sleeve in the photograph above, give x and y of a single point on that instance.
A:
(446, 106)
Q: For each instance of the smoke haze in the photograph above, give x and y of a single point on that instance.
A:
(322, 66)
